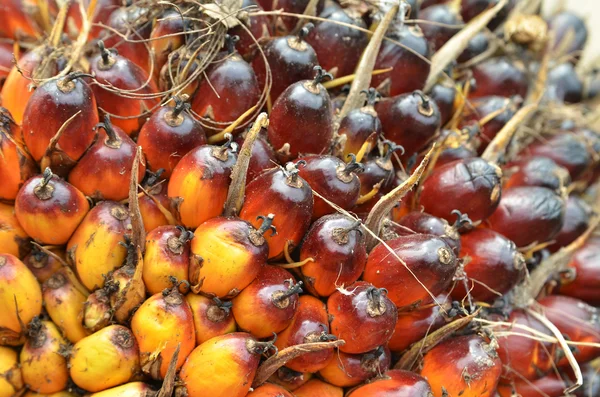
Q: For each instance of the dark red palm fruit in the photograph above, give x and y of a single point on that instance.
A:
(551, 385)
(586, 265)
(564, 85)
(492, 265)
(336, 244)
(102, 13)
(270, 390)
(291, 59)
(301, 121)
(258, 25)
(120, 73)
(228, 91)
(478, 45)
(528, 214)
(439, 23)
(42, 264)
(262, 158)
(537, 171)
(153, 215)
(16, 165)
(166, 37)
(212, 317)
(471, 186)
(420, 117)
(333, 179)
(6, 59)
(482, 109)
(378, 172)
(203, 172)
(462, 366)
(168, 135)
(228, 254)
(499, 76)
(413, 325)
(471, 8)
(592, 141)
(429, 3)
(410, 62)
(45, 201)
(577, 321)
(522, 355)
(397, 383)
(359, 124)
(310, 324)
(443, 94)
(268, 304)
(285, 194)
(577, 217)
(347, 370)
(50, 106)
(290, 6)
(15, 21)
(429, 259)
(291, 380)
(461, 152)
(104, 171)
(363, 316)
(416, 222)
(566, 149)
(338, 47)
(570, 34)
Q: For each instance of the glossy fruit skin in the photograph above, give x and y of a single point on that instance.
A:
(260, 308)
(549, 385)
(483, 107)
(167, 255)
(169, 24)
(410, 67)
(303, 107)
(131, 389)
(420, 120)
(294, 60)
(64, 205)
(228, 359)
(473, 184)
(347, 370)
(107, 358)
(338, 47)
(339, 254)
(586, 263)
(96, 247)
(523, 209)
(49, 107)
(231, 256)
(101, 15)
(11, 381)
(464, 365)
(289, 198)
(357, 126)
(443, 95)
(441, 14)
(13, 239)
(15, 21)
(309, 324)
(19, 288)
(577, 216)
(397, 383)
(210, 318)
(43, 265)
(422, 222)
(316, 387)
(499, 76)
(564, 85)
(259, 26)
(161, 324)
(104, 171)
(413, 325)
(263, 156)
(493, 265)
(203, 172)
(538, 171)
(329, 177)
(471, 8)
(569, 29)
(166, 138)
(43, 368)
(428, 257)
(270, 390)
(477, 46)
(152, 215)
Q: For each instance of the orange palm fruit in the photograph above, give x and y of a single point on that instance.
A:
(64, 298)
(212, 317)
(11, 381)
(13, 239)
(316, 387)
(310, 324)
(397, 383)
(153, 215)
(107, 358)
(45, 201)
(43, 362)
(464, 366)
(163, 322)
(227, 255)
(96, 247)
(167, 255)
(43, 264)
(223, 366)
(15, 21)
(104, 171)
(268, 304)
(63, 393)
(16, 165)
(165, 39)
(131, 389)
(270, 390)
(200, 182)
(352, 369)
(20, 299)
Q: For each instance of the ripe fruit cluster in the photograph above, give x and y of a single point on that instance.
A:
(297, 198)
